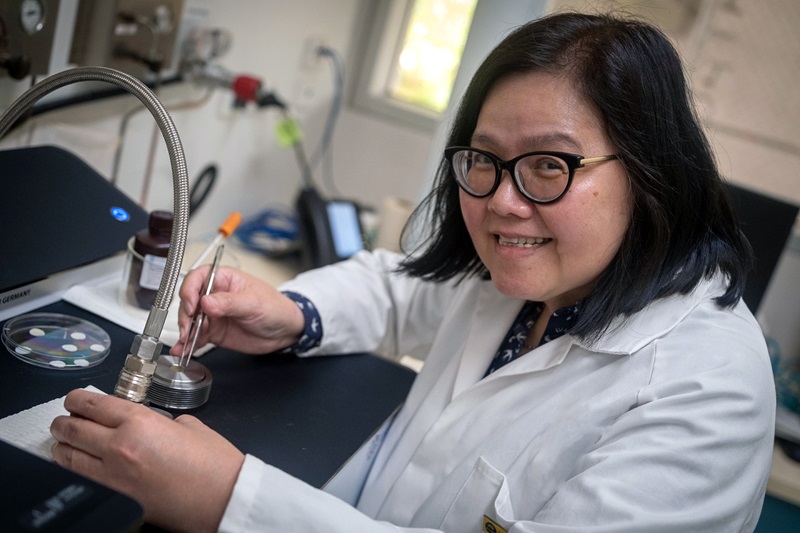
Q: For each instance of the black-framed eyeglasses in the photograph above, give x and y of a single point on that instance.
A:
(541, 177)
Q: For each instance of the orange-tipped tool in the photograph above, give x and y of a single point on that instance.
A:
(225, 230)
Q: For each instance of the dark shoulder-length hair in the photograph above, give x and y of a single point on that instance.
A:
(683, 227)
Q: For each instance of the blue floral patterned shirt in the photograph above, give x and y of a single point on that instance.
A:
(312, 334)
(512, 346)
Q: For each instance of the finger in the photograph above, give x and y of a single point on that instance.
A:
(193, 291)
(194, 280)
(240, 306)
(183, 340)
(177, 348)
(80, 434)
(189, 421)
(77, 460)
(189, 292)
(104, 409)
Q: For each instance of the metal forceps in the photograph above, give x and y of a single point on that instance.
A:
(199, 315)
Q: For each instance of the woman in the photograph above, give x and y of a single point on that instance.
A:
(588, 362)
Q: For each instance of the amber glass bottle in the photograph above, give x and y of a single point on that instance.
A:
(150, 249)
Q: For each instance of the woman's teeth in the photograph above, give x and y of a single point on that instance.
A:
(521, 241)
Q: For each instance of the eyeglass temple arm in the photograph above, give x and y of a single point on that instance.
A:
(589, 160)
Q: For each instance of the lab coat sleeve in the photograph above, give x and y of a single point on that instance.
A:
(366, 306)
(267, 499)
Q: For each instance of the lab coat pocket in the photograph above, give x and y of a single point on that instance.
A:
(484, 495)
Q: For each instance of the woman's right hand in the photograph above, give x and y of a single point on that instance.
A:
(243, 313)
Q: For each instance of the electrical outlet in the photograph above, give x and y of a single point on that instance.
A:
(305, 94)
(309, 55)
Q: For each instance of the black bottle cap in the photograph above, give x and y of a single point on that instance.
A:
(160, 223)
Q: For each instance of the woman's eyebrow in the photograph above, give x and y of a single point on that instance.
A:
(482, 138)
(535, 142)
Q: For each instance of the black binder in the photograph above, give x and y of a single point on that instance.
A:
(40, 496)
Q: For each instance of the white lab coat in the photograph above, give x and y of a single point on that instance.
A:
(666, 424)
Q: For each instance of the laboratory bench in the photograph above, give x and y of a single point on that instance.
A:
(306, 416)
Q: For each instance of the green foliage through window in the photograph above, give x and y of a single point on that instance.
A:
(428, 60)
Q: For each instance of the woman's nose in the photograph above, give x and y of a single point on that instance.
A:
(507, 200)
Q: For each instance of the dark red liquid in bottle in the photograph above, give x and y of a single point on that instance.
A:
(151, 247)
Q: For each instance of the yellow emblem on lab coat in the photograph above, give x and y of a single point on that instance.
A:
(490, 526)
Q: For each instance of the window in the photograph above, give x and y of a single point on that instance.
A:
(427, 63)
(411, 59)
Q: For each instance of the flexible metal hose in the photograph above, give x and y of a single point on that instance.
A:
(180, 181)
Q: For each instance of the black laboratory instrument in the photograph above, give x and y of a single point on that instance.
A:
(63, 213)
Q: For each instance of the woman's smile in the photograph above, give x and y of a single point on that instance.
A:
(521, 242)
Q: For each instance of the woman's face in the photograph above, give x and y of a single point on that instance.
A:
(550, 253)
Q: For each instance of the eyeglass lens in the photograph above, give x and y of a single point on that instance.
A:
(540, 176)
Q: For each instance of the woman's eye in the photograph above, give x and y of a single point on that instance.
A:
(481, 160)
(551, 165)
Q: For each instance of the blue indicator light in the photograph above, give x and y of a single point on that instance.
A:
(120, 214)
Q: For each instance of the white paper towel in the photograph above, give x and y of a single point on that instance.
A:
(30, 429)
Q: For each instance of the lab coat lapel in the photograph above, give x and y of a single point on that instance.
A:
(494, 314)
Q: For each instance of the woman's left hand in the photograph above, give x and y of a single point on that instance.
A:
(181, 471)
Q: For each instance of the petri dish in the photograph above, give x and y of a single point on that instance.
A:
(56, 341)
